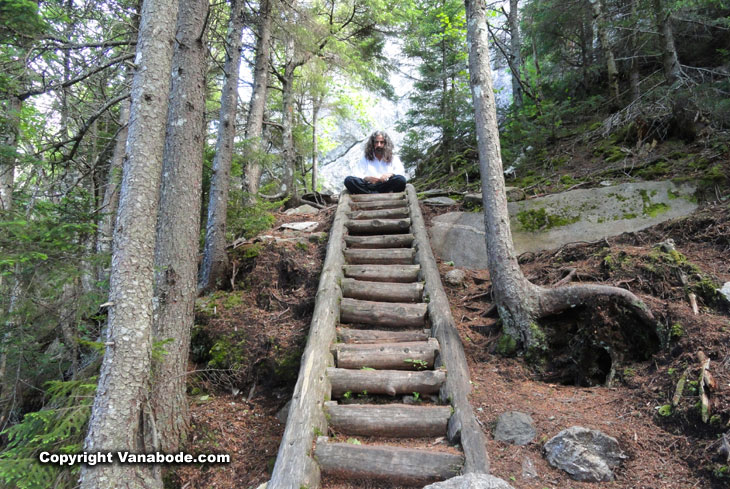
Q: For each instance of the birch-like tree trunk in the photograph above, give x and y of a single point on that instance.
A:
(634, 75)
(287, 89)
(519, 302)
(10, 133)
(670, 60)
(215, 260)
(120, 409)
(599, 18)
(176, 253)
(255, 120)
(516, 45)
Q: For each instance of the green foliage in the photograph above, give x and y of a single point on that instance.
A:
(664, 410)
(58, 428)
(539, 219)
(249, 219)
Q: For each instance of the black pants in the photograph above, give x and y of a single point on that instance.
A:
(356, 185)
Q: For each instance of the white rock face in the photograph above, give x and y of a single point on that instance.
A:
(471, 481)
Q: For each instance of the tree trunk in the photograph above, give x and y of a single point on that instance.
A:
(519, 302)
(255, 121)
(10, 133)
(316, 105)
(669, 52)
(119, 412)
(176, 254)
(287, 87)
(215, 260)
(516, 45)
(634, 75)
(110, 202)
(600, 20)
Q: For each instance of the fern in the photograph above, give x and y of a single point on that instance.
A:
(58, 428)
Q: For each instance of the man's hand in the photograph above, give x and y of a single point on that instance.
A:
(385, 177)
(372, 180)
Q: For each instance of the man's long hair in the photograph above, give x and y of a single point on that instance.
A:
(387, 151)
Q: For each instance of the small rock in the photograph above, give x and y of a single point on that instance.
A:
(410, 400)
(471, 481)
(515, 194)
(318, 237)
(528, 469)
(283, 413)
(440, 201)
(455, 277)
(586, 455)
(264, 485)
(301, 226)
(473, 199)
(515, 427)
(667, 246)
(302, 209)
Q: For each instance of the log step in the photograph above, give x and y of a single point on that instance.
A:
(383, 273)
(385, 204)
(411, 355)
(378, 226)
(389, 420)
(375, 336)
(377, 197)
(403, 465)
(385, 256)
(382, 291)
(397, 213)
(389, 382)
(380, 241)
(387, 314)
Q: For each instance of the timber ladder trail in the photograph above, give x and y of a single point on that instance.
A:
(381, 332)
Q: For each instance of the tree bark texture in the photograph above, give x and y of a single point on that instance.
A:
(119, 409)
(176, 254)
(215, 259)
(110, 202)
(295, 465)
(404, 465)
(383, 292)
(383, 273)
(463, 424)
(395, 315)
(10, 133)
(390, 382)
(394, 256)
(383, 241)
(600, 19)
(670, 60)
(391, 420)
(414, 355)
(255, 120)
(365, 336)
(519, 302)
(516, 45)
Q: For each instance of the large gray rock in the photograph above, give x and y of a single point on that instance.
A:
(549, 222)
(440, 201)
(515, 427)
(586, 455)
(301, 210)
(471, 481)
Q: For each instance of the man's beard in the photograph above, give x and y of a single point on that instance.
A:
(380, 152)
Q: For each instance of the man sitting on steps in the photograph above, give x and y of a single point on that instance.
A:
(379, 170)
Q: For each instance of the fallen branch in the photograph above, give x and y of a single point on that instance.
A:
(705, 384)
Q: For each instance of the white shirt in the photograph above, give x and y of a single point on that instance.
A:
(376, 167)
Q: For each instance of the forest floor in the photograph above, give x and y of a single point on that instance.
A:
(249, 338)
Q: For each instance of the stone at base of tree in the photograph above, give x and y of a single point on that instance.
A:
(586, 455)
(515, 427)
(283, 413)
(471, 481)
(302, 209)
(455, 277)
(440, 201)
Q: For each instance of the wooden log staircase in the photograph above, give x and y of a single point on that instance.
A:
(382, 331)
